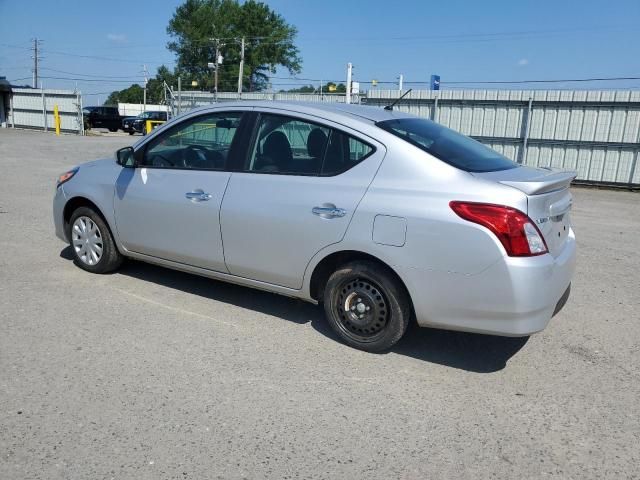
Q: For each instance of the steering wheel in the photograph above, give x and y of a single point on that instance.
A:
(162, 161)
(194, 154)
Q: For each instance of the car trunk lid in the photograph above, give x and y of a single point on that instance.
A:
(548, 199)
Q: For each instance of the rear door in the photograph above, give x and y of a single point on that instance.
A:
(294, 195)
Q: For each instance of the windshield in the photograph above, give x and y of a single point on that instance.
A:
(145, 115)
(448, 145)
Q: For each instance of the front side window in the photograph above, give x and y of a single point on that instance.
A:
(448, 145)
(201, 143)
(293, 146)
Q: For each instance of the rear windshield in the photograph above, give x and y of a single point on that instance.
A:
(448, 145)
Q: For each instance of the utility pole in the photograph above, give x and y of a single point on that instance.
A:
(36, 60)
(400, 80)
(349, 73)
(241, 71)
(144, 71)
(216, 64)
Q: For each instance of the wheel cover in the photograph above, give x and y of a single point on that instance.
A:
(86, 239)
(362, 310)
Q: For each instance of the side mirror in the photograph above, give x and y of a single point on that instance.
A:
(125, 157)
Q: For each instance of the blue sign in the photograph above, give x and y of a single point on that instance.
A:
(435, 82)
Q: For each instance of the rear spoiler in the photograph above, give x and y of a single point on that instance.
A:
(554, 180)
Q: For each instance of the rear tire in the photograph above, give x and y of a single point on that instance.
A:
(92, 244)
(113, 130)
(367, 306)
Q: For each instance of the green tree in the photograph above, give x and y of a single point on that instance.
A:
(132, 94)
(269, 42)
(155, 89)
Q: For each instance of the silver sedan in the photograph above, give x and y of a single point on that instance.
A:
(383, 217)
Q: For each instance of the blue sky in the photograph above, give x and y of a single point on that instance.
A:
(463, 41)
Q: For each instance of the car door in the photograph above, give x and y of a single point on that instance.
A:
(168, 207)
(98, 117)
(301, 181)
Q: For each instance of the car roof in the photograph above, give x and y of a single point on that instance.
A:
(354, 112)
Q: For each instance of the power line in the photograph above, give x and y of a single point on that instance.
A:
(85, 74)
(92, 80)
(603, 79)
(108, 59)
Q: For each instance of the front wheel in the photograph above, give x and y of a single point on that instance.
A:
(367, 306)
(94, 249)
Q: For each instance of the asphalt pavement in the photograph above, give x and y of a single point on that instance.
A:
(149, 373)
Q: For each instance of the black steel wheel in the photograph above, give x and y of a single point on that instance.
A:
(367, 306)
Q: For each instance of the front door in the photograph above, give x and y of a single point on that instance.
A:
(295, 195)
(169, 206)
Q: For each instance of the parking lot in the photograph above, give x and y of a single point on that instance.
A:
(149, 373)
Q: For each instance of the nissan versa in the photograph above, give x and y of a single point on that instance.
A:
(379, 215)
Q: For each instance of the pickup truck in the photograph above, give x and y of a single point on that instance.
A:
(102, 117)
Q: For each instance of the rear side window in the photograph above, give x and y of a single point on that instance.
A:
(292, 146)
(343, 152)
(448, 145)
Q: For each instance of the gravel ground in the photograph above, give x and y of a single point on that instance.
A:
(154, 374)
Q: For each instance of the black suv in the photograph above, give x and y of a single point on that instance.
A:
(139, 123)
(102, 117)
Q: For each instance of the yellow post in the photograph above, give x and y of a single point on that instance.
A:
(56, 119)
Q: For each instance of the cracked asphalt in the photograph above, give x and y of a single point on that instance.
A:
(153, 374)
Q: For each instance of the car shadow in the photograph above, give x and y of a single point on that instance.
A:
(465, 351)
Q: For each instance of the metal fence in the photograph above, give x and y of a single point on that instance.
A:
(596, 133)
(33, 108)
(188, 100)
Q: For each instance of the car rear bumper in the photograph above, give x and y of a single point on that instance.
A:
(513, 297)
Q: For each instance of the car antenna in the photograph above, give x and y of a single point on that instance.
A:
(391, 105)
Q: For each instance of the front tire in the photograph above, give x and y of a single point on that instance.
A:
(94, 249)
(367, 306)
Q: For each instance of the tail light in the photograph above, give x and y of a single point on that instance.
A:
(515, 230)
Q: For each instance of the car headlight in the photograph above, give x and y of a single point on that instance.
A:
(66, 176)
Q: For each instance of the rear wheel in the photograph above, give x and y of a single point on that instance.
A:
(94, 249)
(113, 129)
(367, 306)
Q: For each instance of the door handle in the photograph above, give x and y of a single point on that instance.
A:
(198, 196)
(329, 211)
